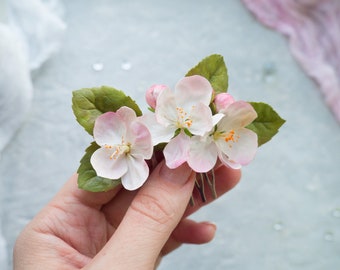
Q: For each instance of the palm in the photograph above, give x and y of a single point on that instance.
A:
(84, 232)
(77, 231)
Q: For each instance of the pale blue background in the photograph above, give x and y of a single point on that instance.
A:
(285, 213)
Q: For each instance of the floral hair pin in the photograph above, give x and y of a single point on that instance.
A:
(198, 123)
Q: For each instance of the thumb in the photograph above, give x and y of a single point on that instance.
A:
(152, 216)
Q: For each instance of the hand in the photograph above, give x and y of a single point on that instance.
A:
(118, 229)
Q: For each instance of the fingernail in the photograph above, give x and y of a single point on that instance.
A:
(210, 230)
(178, 176)
(212, 225)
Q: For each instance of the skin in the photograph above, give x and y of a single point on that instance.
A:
(118, 229)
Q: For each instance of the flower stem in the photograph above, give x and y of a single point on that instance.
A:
(204, 198)
(192, 201)
(211, 183)
(199, 184)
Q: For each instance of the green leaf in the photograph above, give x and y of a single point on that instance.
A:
(267, 123)
(214, 70)
(89, 103)
(87, 177)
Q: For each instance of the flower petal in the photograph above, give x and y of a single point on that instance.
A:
(166, 113)
(192, 90)
(142, 144)
(202, 155)
(137, 173)
(225, 160)
(238, 114)
(152, 94)
(223, 100)
(217, 117)
(201, 119)
(107, 166)
(176, 152)
(244, 148)
(158, 132)
(126, 114)
(109, 129)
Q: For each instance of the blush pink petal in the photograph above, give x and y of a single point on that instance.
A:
(176, 152)
(105, 166)
(142, 143)
(202, 120)
(243, 150)
(239, 114)
(192, 90)
(226, 161)
(202, 155)
(126, 114)
(158, 132)
(108, 129)
(136, 175)
(166, 112)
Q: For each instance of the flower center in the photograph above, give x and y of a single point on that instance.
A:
(183, 119)
(119, 149)
(229, 137)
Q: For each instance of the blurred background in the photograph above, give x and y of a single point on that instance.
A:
(284, 214)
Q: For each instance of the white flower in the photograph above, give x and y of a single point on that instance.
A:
(187, 108)
(179, 113)
(230, 140)
(124, 143)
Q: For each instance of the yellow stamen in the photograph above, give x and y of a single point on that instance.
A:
(115, 153)
(184, 121)
(188, 122)
(230, 137)
(119, 149)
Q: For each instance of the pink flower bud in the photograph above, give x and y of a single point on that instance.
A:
(222, 101)
(152, 93)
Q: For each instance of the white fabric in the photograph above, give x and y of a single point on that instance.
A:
(39, 27)
(15, 84)
(30, 31)
(313, 29)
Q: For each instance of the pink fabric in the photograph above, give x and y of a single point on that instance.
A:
(313, 29)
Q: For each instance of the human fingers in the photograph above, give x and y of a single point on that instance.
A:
(64, 227)
(226, 179)
(152, 216)
(193, 232)
(199, 233)
(189, 232)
